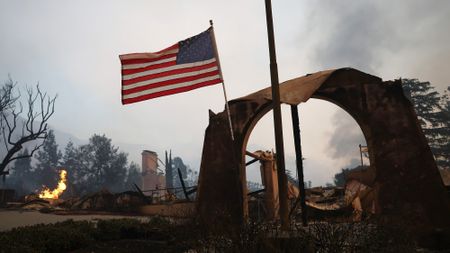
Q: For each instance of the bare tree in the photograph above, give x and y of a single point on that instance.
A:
(40, 107)
(7, 99)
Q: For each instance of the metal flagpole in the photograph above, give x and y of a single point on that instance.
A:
(213, 37)
(278, 127)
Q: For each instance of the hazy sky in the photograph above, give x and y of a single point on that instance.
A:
(71, 48)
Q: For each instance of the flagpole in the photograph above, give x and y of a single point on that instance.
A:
(216, 53)
(278, 128)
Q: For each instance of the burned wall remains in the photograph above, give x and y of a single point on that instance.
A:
(409, 187)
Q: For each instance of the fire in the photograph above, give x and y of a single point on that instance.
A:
(46, 193)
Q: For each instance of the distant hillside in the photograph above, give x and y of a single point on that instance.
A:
(62, 138)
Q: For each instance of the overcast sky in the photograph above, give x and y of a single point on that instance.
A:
(71, 48)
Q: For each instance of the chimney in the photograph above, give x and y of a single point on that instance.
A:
(150, 175)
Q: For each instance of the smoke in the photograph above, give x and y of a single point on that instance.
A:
(384, 38)
(370, 35)
(349, 36)
(346, 137)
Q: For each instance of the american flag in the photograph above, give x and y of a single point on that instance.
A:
(187, 65)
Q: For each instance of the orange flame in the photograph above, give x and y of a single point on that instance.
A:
(46, 193)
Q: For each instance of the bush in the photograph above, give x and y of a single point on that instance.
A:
(161, 235)
(71, 235)
(59, 237)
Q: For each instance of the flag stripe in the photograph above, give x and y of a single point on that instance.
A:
(162, 59)
(146, 57)
(170, 92)
(149, 58)
(169, 82)
(194, 70)
(133, 73)
(170, 87)
(160, 68)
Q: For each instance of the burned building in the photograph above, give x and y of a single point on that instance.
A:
(407, 181)
(151, 177)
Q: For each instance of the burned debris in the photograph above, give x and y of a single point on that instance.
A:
(404, 178)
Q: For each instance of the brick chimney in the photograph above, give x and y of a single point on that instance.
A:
(151, 178)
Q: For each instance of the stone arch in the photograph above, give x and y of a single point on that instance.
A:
(407, 179)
